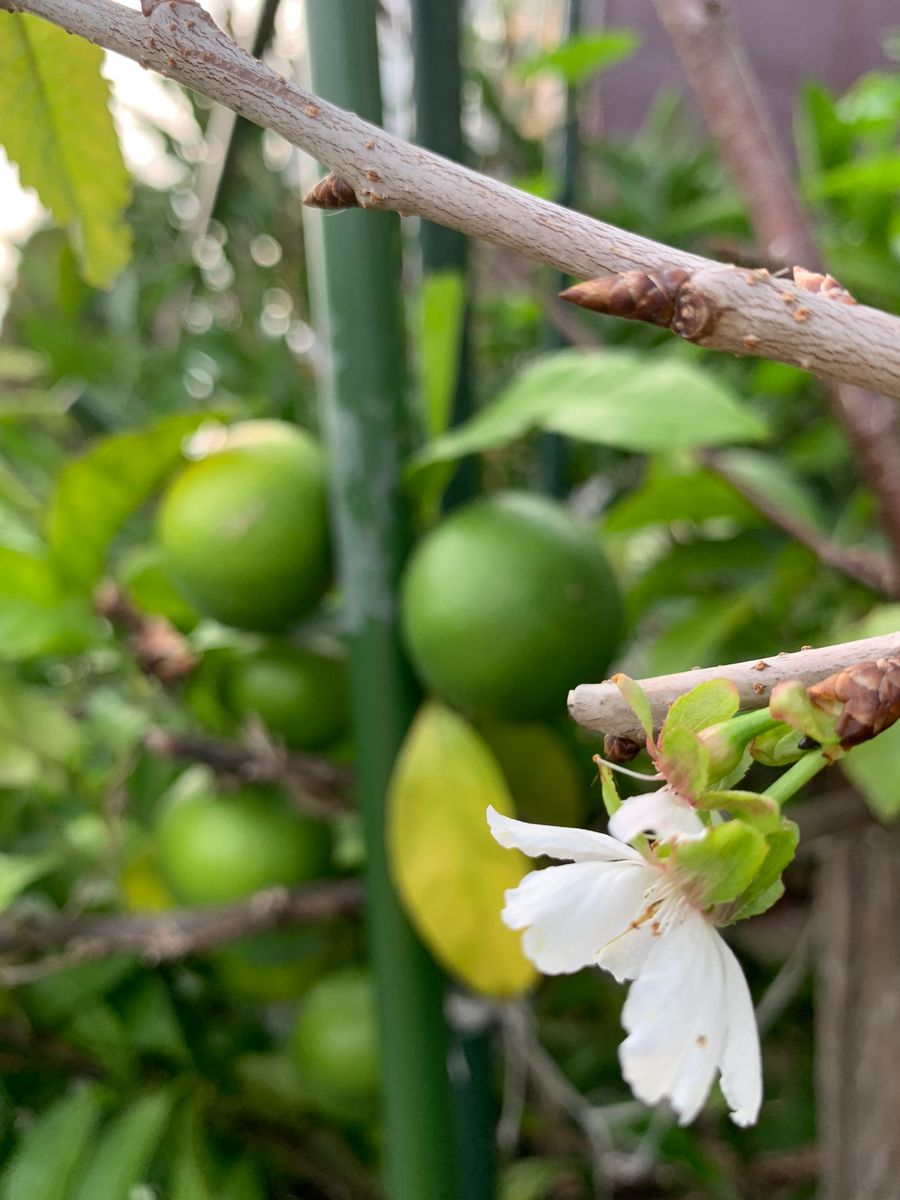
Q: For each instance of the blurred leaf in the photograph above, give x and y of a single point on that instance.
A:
(147, 1010)
(880, 174)
(449, 871)
(96, 493)
(440, 336)
(694, 640)
(39, 741)
(583, 56)
(192, 1168)
(125, 1148)
(242, 1182)
(56, 126)
(20, 365)
(687, 496)
(773, 479)
(19, 871)
(44, 1163)
(36, 617)
(874, 768)
(822, 138)
(99, 1031)
(56, 997)
(611, 398)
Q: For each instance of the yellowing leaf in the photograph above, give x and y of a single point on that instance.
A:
(449, 871)
(56, 126)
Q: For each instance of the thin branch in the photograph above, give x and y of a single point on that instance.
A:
(319, 786)
(865, 566)
(158, 648)
(601, 705)
(182, 42)
(63, 942)
(732, 103)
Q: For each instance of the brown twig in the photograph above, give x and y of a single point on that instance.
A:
(318, 785)
(731, 100)
(157, 646)
(859, 563)
(60, 942)
(601, 705)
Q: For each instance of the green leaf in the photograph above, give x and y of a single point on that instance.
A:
(449, 871)
(36, 617)
(125, 1148)
(707, 704)
(146, 1008)
(96, 494)
(879, 175)
(612, 801)
(19, 871)
(636, 699)
(192, 1170)
(790, 703)
(722, 864)
(874, 768)
(44, 1163)
(440, 336)
(667, 496)
(684, 761)
(583, 56)
(39, 741)
(56, 997)
(766, 886)
(608, 397)
(242, 1182)
(56, 126)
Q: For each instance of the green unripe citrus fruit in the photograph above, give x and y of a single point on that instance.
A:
(301, 697)
(217, 849)
(244, 530)
(507, 604)
(334, 1042)
(544, 779)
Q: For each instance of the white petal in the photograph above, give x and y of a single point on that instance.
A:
(741, 1065)
(662, 813)
(573, 845)
(569, 913)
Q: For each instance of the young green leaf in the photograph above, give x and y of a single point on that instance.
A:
(56, 126)
(707, 704)
(449, 871)
(583, 56)
(684, 761)
(441, 325)
(47, 1157)
(19, 871)
(790, 703)
(126, 1147)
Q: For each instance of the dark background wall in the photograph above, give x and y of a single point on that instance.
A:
(788, 41)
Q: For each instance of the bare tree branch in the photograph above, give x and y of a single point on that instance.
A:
(601, 705)
(63, 941)
(767, 318)
(731, 100)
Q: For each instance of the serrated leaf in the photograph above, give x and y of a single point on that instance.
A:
(707, 704)
(125, 1148)
(636, 699)
(766, 886)
(684, 761)
(790, 703)
(440, 337)
(449, 871)
(95, 494)
(47, 1157)
(610, 398)
(722, 864)
(56, 127)
(580, 57)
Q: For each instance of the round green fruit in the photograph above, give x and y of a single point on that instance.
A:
(334, 1043)
(301, 697)
(244, 530)
(507, 604)
(217, 849)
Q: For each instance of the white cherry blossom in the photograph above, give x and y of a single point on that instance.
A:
(688, 1015)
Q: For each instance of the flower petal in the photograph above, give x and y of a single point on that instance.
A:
(573, 845)
(662, 813)
(741, 1065)
(685, 1020)
(570, 912)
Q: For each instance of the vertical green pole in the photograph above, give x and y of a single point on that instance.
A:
(355, 281)
(437, 91)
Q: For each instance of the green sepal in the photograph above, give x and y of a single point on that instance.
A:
(684, 762)
(720, 866)
(636, 699)
(778, 747)
(790, 702)
(608, 790)
(762, 812)
(766, 887)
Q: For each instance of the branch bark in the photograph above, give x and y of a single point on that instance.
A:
(65, 941)
(733, 106)
(601, 706)
(181, 41)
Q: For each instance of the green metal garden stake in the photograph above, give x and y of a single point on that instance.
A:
(355, 281)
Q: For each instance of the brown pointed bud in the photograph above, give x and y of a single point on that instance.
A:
(633, 294)
(331, 192)
(825, 285)
(620, 750)
(867, 696)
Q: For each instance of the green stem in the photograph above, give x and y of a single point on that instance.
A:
(355, 282)
(797, 776)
